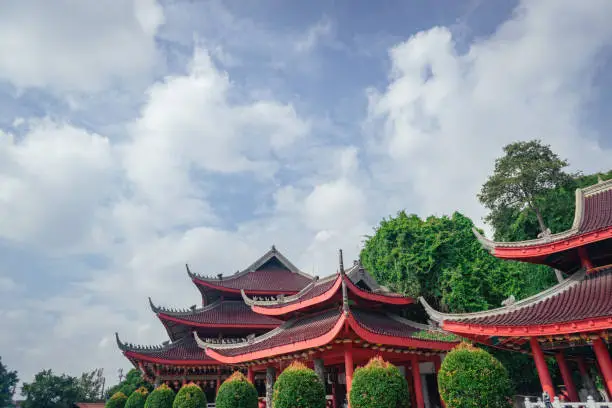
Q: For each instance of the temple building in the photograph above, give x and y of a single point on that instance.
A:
(261, 319)
(571, 321)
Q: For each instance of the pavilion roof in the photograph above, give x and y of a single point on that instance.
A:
(592, 223)
(182, 351)
(320, 291)
(271, 273)
(581, 303)
(321, 328)
(221, 313)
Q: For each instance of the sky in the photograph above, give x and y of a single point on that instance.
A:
(140, 135)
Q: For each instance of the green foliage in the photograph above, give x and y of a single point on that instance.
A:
(51, 391)
(237, 392)
(441, 260)
(137, 399)
(298, 387)
(190, 396)
(8, 382)
(118, 400)
(379, 385)
(161, 397)
(90, 385)
(133, 381)
(472, 378)
(522, 179)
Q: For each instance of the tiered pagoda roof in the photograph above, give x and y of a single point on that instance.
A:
(181, 352)
(591, 232)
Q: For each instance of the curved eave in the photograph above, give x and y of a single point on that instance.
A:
(540, 249)
(378, 297)
(535, 330)
(212, 285)
(157, 360)
(164, 317)
(412, 342)
(274, 351)
(278, 311)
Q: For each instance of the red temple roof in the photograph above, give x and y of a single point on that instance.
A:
(581, 303)
(318, 292)
(321, 328)
(272, 273)
(219, 314)
(592, 224)
(183, 351)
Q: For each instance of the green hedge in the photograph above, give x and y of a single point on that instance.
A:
(190, 396)
(161, 397)
(118, 400)
(379, 385)
(137, 399)
(298, 387)
(472, 378)
(237, 392)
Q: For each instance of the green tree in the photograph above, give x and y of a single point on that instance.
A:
(379, 385)
(472, 378)
(90, 385)
(521, 179)
(118, 400)
(137, 399)
(237, 392)
(161, 397)
(51, 391)
(190, 396)
(133, 381)
(298, 387)
(8, 382)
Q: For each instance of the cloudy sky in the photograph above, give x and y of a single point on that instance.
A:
(138, 135)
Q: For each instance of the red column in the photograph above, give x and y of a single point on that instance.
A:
(218, 380)
(348, 369)
(437, 363)
(605, 364)
(540, 362)
(585, 261)
(566, 374)
(250, 375)
(418, 387)
(410, 385)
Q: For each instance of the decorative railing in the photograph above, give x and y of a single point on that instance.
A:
(556, 403)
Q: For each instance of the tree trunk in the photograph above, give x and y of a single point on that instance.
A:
(540, 219)
(559, 275)
(270, 377)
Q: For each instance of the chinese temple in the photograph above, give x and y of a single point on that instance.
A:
(571, 321)
(261, 319)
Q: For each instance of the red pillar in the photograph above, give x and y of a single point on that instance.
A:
(605, 363)
(348, 369)
(566, 374)
(543, 373)
(250, 375)
(418, 387)
(408, 369)
(585, 261)
(218, 380)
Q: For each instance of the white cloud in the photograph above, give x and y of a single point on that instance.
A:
(445, 116)
(77, 46)
(7, 284)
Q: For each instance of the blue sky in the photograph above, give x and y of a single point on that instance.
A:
(140, 135)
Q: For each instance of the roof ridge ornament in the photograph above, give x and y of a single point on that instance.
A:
(341, 260)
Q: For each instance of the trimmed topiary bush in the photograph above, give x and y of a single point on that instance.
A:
(298, 387)
(118, 400)
(237, 392)
(161, 397)
(472, 378)
(190, 396)
(379, 385)
(137, 399)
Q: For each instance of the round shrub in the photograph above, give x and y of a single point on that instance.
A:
(190, 396)
(116, 401)
(379, 385)
(137, 399)
(298, 387)
(470, 377)
(161, 397)
(237, 392)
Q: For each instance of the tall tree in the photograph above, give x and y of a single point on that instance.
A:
(51, 391)
(91, 385)
(133, 380)
(522, 178)
(8, 382)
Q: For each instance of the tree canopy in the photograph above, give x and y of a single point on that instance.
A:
(133, 381)
(8, 382)
(51, 391)
(522, 179)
